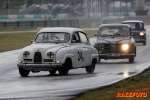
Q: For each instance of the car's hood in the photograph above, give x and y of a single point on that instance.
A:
(136, 31)
(44, 47)
(113, 40)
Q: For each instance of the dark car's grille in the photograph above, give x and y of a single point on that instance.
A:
(106, 48)
(37, 57)
(114, 48)
(136, 36)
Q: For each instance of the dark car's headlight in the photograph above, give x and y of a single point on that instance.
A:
(26, 54)
(50, 54)
(125, 47)
(141, 33)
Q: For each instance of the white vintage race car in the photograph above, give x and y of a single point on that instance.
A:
(58, 48)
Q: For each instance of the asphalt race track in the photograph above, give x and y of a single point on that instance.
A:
(46, 87)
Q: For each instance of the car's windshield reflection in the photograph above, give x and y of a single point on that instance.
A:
(114, 31)
(52, 37)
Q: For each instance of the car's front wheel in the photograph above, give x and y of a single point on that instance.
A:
(53, 72)
(91, 68)
(64, 69)
(131, 59)
(23, 72)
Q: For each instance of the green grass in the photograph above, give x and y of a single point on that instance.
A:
(138, 83)
(15, 41)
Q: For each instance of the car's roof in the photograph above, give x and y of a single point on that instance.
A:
(69, 30)
(134, 21)
(122, 25)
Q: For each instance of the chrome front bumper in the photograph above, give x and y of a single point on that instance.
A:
(120, 56)
(39, 67)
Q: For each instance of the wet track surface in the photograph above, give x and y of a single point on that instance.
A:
(43, 86)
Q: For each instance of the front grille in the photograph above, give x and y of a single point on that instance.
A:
(115, 48)
(136, 36)
(106, 48)
(37, 57)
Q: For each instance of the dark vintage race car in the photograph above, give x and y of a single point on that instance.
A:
(138, 30)
(114, 41)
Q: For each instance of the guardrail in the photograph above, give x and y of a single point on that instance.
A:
(42, 23)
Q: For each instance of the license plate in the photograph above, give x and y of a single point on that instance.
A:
(113, 54)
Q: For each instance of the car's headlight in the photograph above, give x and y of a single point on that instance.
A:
(26, 54)
(125, 47)
(141, 33)
(50, 54)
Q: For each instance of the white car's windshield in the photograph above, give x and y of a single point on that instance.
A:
(114, 31)
(50, 37)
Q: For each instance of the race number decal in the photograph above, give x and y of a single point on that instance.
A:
(80, 56)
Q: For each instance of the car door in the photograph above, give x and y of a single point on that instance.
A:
(76, 45)
(86, 53)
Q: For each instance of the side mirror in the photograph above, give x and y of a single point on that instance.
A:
(88, 41)
(32, 41)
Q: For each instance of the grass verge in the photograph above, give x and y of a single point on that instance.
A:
(15, 29)
(139, 83)
(15, 41)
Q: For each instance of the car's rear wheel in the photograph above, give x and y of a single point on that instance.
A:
(23, 72)
(64, 69)
(53, 72)
(131, 59)
(91, 68)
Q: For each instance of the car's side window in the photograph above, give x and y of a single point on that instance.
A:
(83, 37)
(75, 38)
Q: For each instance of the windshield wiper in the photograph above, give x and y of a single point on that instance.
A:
(58, 39)
(104, 35)
(119, 34)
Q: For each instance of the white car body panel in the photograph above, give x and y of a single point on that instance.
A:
(61, 51)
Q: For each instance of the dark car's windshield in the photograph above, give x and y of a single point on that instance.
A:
(114, 31)
(135, 26)
(51, 37)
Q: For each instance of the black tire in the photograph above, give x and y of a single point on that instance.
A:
(53, 72)
(64, 69)
(131, 59)
(91, 68)
(23, 72)
(144, 43)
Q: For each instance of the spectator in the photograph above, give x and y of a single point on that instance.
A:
(29, 3)
(6, 5)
